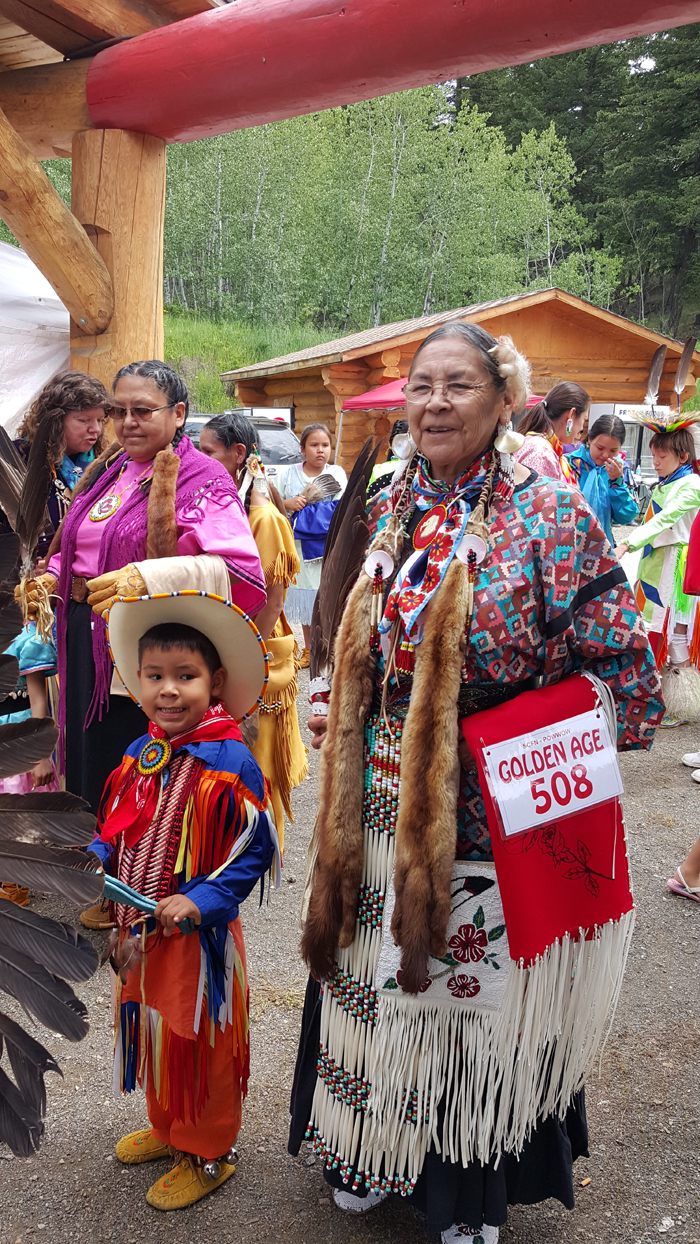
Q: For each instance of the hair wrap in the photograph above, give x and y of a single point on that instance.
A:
(514, 368)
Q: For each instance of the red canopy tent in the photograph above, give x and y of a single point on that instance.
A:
(387, 397)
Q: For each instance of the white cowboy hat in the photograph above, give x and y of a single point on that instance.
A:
(236, 639)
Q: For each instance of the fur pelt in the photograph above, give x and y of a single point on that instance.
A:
(426, 827)
(338, 846)
(161, 540)
(338, 871)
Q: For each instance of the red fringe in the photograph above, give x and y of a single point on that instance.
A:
(662, 651)
(694, 646)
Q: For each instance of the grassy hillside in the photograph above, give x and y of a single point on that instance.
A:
(201, 349)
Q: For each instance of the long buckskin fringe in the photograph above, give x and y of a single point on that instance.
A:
(387, 1061)
(500, 1070)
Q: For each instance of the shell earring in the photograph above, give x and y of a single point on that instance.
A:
(508, 440)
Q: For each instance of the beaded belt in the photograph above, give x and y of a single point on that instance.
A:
(473, 698)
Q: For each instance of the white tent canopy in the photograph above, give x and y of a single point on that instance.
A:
(34, 334)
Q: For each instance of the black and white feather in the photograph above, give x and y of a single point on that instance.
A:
(40, 835)
(346, 545)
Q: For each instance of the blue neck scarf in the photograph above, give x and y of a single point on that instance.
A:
(681, 473)
(595, 486)
(71, 469)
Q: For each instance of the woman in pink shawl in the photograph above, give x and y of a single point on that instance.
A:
(554, 422)
(151, 495)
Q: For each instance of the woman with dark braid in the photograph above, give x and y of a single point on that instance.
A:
(278, 749)
(150, 495)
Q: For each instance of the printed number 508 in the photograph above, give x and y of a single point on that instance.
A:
(562, 788)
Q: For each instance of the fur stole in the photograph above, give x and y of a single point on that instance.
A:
(426, 830)
(161, 539)
(426, 827)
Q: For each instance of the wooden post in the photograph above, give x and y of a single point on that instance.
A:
(50, 235)
(118, 195)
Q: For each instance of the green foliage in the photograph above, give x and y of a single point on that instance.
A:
(581, 170)
(693, 402)
(375, 212)
(630, 116)
(201, 349)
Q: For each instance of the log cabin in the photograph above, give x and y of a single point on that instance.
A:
(564, 337)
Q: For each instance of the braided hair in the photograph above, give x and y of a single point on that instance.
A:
(167, 380)
(234, 428)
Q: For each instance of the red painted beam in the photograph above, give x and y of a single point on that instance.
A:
(256, 61)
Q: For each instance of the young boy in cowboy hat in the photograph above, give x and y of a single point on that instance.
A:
(184, 823)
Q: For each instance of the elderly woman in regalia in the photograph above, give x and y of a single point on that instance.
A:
(465, 956)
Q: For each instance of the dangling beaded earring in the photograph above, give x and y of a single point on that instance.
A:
(569, 426)
(506, 444)
(509, 441)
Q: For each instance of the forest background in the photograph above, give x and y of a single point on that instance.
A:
(581, 171)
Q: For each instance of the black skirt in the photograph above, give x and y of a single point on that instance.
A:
(92, 754)
(448, 1192)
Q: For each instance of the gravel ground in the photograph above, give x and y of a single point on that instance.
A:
(642, 1107)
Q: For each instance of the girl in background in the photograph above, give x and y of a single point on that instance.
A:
(668, 613)
(278, 748)
(557, 420)
(316, 451)
(600, 474)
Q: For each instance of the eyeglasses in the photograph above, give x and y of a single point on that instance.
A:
(455, 391)
(142, 413)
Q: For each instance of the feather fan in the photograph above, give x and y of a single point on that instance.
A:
(24, 743)
(11, 620)
(32, 514)
(29, 1061)
(58, 946)
(32, 818)
(43, 801)
(9, 556)
(13, 470)
(346, 545)
(324, 486)
(45, 997)
(21, 1126)
(58, 872)
(9, 675)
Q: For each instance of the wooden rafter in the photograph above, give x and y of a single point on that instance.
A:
(51, 235)
(68, 25)
(18, 49)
